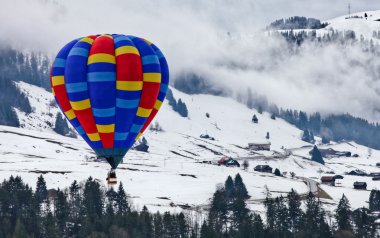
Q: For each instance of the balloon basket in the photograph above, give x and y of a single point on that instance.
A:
(111, 179)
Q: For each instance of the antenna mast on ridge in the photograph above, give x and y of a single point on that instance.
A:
(349, 10)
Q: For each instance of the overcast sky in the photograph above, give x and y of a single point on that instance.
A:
(193, 36)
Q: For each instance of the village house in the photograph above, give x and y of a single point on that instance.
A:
(263, 168)
(331, 153)
(360, 185)
(259, 146)
(328, 180)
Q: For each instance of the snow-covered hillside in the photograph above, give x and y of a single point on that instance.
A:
(357, 22)
(361, 25)
(173, 173)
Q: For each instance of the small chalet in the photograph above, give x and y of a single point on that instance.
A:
(331, 153)
(263, 168)
(360, 185)
(328, 180)
(357, 173)
(259, 146)
(232, 163)
(377, 174)
(229, 162)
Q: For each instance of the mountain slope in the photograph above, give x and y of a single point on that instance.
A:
(173, 174)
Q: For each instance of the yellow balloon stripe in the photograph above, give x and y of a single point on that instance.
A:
(106, 128)
(101, 58)
(152, 77)
(57, 80)
(94, 137)
(81, 105)
(126, 50)
(70, 114)
(143, 112)
(129, 85)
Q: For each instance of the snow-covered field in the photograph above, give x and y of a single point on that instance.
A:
(172, 173)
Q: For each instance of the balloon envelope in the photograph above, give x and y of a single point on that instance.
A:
(110, 87)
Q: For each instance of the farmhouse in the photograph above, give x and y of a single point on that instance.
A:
(330, 153)
(263, 168)
(357, 173)
(259, 146)
(360, 185)
(328, 180)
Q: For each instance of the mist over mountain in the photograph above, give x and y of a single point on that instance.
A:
(220, 42)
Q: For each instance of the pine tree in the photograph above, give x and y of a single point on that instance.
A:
(270, 213)
(61, 126)
(277, 172)
(316, 155)
(61, 211)
(343, 214)
(218, 214)
(273, 116)
(260, 110)
(122, 203)
(295, 211)
(92, 199)
(255, 119)
(41, 190)
(229, 188)
(311, 216)
(258, 227)
(282, 221)
(306, 136)
(374, 200)
(364, 223)
(240, 188)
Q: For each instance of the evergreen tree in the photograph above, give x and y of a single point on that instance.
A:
(364, 223)
(122, 203)
(312, 215)
(258, 227)
(229, 189)
(254, 119)
(282, 222)
(273, 116)
(41, 190)
(295, 211)
(240, 188)
(343, 214)
(260, 110)
(270, 213)
(61, 126)
(306, 136)
(61, 212)
(316, 155)
(218, 214)
(277, 172)
(374, 200)
(93, 199)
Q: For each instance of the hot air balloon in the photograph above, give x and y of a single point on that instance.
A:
(110, 87)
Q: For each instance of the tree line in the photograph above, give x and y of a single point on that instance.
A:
(296, 22)
(32, 68)
(87, 209)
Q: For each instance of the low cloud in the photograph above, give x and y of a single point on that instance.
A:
(220, 40)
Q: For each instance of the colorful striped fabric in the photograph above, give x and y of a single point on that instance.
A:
(110, 87)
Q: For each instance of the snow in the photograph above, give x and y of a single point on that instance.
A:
(172, 173)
